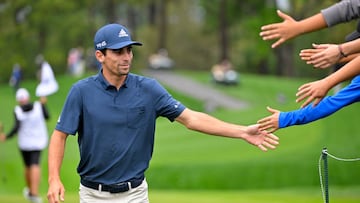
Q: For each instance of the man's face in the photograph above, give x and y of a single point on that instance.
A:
(117, 61)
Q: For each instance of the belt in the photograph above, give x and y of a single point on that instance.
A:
(113, 188)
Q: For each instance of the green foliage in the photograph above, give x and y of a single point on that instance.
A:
(53, 27)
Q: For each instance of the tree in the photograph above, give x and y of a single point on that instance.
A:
(223, 31)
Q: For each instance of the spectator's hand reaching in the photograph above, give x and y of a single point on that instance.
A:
(262, 139)
(270, 123)
(322, 55)
(281, 31)
(313, 91)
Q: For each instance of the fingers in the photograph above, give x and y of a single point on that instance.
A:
(278, 30)
(309, 52)
(271, 110)
(309, 55)
(262, 148)
(269, 124)
(307, 102)
(269, 34)
(321, 64)
(300, 97)
(283, 15)
(316, 102)
(266, 124)
(273, 137)
(320, 60)
(303, 94)
(270, 142)
(268, 145)
(266, 29)
(321, 56)
(277, 43)
(264, 121)
(52, 198)
(320, 46)
(55, 197)
(302, 88)
(268, 128)
(312, 92)
(62, 195)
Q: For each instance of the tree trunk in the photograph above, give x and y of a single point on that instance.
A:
(162, 24)
(152, 13)
(131, 14)
(110, 7)
(223, 31)
(285, 60)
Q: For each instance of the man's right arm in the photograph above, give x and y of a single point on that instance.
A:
(56, 189)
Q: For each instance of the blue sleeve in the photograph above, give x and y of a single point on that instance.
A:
(165, 104)
(69, 119)
(326, 107)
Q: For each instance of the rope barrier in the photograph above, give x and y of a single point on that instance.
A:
(323, 156)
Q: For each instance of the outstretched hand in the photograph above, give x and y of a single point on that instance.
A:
(321, 56)
(262, 139)
(313, 91)
(270, 123)
(281, 31)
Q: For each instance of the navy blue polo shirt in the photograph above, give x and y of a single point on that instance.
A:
(115, 128)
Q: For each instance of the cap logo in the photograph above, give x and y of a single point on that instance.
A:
(122, 33)
(101, 44)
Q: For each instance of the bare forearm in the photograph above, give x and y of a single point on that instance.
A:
(351, 69)
(351, 47)
(311, 24)
(56, 154)
(348, 58)
(207, 124)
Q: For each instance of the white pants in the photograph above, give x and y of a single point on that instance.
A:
(134, 195)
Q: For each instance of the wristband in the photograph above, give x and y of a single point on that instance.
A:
(341, 51)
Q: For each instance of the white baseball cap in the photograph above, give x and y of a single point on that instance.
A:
(22, 94)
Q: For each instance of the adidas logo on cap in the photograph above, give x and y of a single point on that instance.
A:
(123, 33)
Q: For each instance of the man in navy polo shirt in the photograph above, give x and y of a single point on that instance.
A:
(114, 115)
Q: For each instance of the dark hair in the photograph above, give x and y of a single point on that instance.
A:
(103, 51)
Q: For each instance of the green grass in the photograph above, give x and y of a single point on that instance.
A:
(191, 167)
(293, 195)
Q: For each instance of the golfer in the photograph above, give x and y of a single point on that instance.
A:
(113, 114)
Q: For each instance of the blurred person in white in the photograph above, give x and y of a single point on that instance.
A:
(32, 133)
(48, 84)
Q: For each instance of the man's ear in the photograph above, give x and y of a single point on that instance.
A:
(99, 56)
